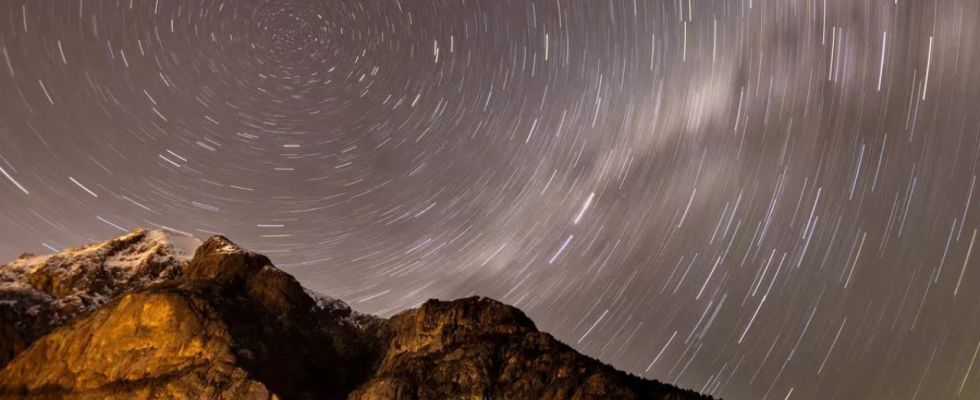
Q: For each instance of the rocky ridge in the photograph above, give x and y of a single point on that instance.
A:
(138, 318)
(41, 293)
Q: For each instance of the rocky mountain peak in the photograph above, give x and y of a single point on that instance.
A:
(227, 324)
(41, 293)
(220, 258)
(440, 324)
(102, 267)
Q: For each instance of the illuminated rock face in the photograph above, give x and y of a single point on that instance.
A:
(41, 293)
(145, 345)
(481, 349)
(229, 325)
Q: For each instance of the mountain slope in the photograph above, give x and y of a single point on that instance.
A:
(478, 348)
(229, 325)
(40, 293)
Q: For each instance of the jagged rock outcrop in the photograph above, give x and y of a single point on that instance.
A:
(478, 348)
(40, 293)
(229, 325)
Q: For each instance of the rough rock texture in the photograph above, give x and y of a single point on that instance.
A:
(39, 294)
(478, 348)
(229, 325)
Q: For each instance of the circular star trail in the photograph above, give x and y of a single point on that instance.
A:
(753, 199)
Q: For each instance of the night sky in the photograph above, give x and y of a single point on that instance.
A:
(755, 199)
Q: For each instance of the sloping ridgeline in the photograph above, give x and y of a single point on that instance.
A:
(138, 317)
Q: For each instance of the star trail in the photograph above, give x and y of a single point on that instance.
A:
(754, 199)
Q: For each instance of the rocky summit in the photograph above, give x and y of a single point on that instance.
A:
(159, 315)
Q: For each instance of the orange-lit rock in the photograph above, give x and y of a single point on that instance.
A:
(229, 325)
(40, 293)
